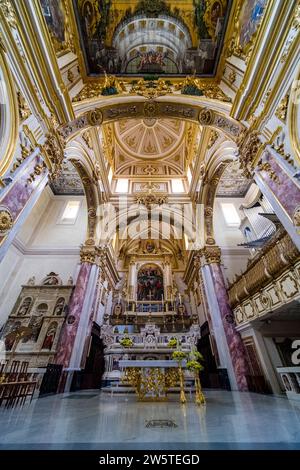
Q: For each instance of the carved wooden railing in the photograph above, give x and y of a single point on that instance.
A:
(276, 256)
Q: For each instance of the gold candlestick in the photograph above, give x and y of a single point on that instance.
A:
(181, 379)
(200, 398)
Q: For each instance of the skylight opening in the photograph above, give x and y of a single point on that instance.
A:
(230, 214)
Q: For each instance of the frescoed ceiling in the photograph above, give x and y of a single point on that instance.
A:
(151, 36)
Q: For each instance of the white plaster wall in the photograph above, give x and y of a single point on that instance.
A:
(234, 258)
(50, 232)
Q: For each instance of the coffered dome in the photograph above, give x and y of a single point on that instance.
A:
(149, 138)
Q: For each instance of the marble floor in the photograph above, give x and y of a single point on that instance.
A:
(93, 420)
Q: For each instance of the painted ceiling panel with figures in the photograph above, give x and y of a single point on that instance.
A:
(137, 37)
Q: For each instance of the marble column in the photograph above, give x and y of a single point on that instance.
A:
(231, 348)
(73, 336)
(18, 199)
(282, 190)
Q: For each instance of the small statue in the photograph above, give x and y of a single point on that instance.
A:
(70, 281)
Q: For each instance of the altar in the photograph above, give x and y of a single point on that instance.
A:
(151, 379)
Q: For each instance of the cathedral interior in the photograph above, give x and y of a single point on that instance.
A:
(149, 223)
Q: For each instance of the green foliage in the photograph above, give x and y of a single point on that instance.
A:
(172, 343)
(126, 342)
(178, 356)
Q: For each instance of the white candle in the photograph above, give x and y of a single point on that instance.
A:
(179, 298)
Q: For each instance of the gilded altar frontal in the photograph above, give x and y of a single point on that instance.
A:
(149, 228)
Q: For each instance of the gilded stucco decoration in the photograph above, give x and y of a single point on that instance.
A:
(9, 116)
(6, 221)
(249, 145)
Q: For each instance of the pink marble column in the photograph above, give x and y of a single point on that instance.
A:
(285, 189)
(20, 196)
(235, 344)
(69, 330)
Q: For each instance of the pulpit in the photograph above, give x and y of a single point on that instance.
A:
(151, 379)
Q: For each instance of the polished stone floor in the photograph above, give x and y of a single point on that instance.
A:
(91, 420)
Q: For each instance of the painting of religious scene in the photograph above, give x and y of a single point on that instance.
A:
(150, 283)
(54, 15)
(250, 18)
(152, 37)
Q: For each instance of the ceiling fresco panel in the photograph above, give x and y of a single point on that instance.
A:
(160, 37)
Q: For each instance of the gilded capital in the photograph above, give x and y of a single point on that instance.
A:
(88, 254)
(212, 254)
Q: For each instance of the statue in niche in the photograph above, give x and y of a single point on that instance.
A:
(25, 307)
(50, 335)
(59, 306)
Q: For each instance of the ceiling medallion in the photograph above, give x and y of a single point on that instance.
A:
(206, 117)
(150, 109)
(6, 221)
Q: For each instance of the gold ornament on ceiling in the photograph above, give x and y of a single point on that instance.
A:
(6, 221)
(213, 137)
(151, 89)
(24, 110)
(95, 89)
(209, 89)
(281, 111)
(95, 117)
(206, 117)
(150, 109)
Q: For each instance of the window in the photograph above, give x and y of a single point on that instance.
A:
(177, 186)
(70, 212)
(231, 215)
(122, 186)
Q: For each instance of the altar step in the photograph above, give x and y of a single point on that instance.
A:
(116, 387)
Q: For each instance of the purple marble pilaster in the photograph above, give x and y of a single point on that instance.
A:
(235, 344)
(69, 330)
(20, 197)
(284, 188)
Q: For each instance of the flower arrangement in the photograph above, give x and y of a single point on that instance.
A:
(173, 343)
(126, 342)
(178, 356)
(194, 365)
